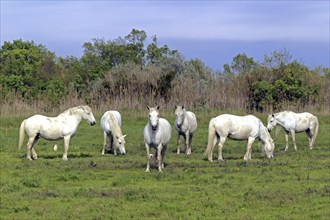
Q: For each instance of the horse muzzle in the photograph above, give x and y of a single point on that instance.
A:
(93, 123)
(154, 127)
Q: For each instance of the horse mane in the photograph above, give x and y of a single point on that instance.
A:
(116, 128)
(263, 131)
(71, 111)
(74, 110)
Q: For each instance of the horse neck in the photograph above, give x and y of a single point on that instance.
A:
(263, 133)
(279, 120)
(72, 115)
(116, 129)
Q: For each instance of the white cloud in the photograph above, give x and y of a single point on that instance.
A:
(185, 20)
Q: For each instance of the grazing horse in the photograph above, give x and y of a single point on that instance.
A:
(64, 126)
(110, 124)
(157, 134)
(185, 124)
(238, 128)
(295, 123)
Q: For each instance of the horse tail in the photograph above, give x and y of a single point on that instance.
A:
(21, 135)
(211, 140)
(316, 130)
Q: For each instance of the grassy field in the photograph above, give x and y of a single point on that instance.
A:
(293, 185)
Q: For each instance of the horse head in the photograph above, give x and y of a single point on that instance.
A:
(179, 115)
(271, 122)
(269, 147)
(86, 113)
(153, 117)
(121, 144)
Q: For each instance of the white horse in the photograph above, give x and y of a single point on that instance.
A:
(185, 124)
(110, 124)
(295, 123)
(238, 128)
(64, 126)
(157, 134)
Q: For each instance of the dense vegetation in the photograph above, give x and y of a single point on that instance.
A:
(292, 185)
(128, 72)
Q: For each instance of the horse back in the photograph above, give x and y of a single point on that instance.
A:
(237, 127)
(105, 125)
(307, 120)
(299, 122)
(192, 121)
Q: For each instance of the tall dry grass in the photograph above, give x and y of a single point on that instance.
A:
(131, 87)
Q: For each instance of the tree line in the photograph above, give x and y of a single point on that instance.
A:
(128, 72)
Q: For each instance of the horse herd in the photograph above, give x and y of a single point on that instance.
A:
(157, 132)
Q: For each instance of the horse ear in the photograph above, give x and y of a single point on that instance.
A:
(182, 106)
(176, 107)
(148, 107)
(124, 135)
(158, 107)
(273, 115)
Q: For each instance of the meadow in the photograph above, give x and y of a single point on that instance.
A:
(292, 185)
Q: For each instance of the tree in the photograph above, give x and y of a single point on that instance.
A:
(156, 54)
(241, 64)
(25, 68)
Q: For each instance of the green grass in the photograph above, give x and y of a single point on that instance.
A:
(293, 185)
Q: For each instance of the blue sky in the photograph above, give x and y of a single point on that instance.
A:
(213, 31)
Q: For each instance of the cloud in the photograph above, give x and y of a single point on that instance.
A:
(236, 20)
(63, 26)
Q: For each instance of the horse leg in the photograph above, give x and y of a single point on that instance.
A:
(163, 155)
(104, 142)
(148, 157)
(34, 154)
(249, 148)
(221, 143)
(310, 134)
(190, 142)
(29, 145)
(178, 143)
(294, 139)
(187, 143)
(286, 141)
(159, 156)
(66, 147)
(110, 142)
